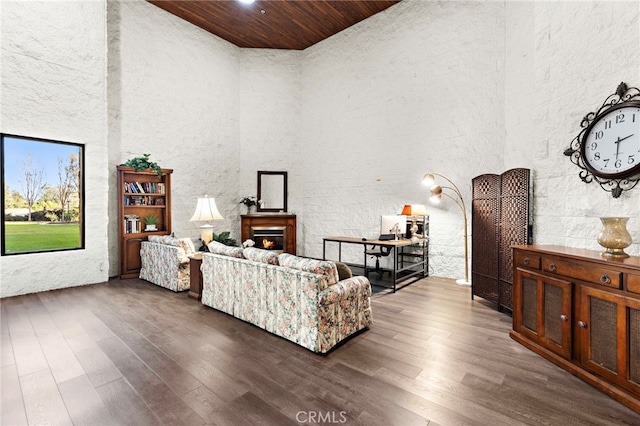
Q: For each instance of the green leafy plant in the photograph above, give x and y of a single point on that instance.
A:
(223, 238)
(151, 219)
(143, 163)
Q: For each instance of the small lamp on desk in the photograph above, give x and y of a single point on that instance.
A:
(414, 210)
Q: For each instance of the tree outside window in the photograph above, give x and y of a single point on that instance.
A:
(42, 181)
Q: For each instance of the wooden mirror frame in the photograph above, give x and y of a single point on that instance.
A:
(265, 175)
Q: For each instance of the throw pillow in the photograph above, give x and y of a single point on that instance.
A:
(321, 267)
(261, 255)
(344, 271)
(219, 248)
(187, 245)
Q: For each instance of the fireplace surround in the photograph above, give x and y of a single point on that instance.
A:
(269, 237)
(270, 231)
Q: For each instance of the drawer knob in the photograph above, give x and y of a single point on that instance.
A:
(582, 324)
(526, 261)
(552, 267)
(604, 279)
(563, 317)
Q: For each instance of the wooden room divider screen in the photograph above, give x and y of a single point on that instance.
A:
(500, 218)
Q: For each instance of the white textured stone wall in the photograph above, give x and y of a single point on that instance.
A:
(415, 89)
(269, 123)
(458, 88)
(173, 93)
(52, 72)
(563, 59)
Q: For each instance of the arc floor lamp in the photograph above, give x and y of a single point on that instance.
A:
(437, 192)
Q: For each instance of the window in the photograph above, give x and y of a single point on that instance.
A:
(43, 188)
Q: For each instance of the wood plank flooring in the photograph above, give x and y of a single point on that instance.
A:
(131, 353)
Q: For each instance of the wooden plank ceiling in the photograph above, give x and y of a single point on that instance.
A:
(274, 24)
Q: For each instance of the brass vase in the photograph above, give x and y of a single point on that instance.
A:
(614, 236)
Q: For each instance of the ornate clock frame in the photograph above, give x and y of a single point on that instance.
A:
(614, 185)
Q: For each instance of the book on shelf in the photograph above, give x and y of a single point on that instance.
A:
(132, 224)
(142, 200)
(144, 188)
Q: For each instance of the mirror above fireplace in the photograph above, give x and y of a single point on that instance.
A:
(272, 191)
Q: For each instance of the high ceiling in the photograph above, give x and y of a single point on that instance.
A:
(275, 24)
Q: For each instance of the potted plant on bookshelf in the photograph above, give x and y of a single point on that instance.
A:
(143, 163)
(151, 221)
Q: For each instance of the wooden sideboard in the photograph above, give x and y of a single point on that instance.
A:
(581, 311)
(271, 221)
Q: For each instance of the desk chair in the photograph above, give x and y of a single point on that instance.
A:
(381, 252)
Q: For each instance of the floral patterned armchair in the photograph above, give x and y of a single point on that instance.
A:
(165, 262)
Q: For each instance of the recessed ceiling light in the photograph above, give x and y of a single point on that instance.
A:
(246, 1)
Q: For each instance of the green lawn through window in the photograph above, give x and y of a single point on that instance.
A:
(35, 236)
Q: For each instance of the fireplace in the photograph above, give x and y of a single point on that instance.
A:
(269, 238)
(276, 230)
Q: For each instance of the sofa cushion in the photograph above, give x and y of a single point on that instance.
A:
(261, 255)
(344, 271)
(185, 243)
(320, 267)
(219, 248)
(157, 239)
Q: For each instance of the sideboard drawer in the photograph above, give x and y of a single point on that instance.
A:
(633, 283)
(527, 260)
(581, 271)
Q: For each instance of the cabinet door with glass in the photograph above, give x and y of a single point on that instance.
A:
(609, 327)
(543, 312)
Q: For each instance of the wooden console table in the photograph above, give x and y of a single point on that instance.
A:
(582, 312)
(195, 275)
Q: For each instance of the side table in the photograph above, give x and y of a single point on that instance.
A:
(195, 290)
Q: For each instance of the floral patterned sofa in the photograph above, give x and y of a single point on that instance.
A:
(165, 262)
(297, 298)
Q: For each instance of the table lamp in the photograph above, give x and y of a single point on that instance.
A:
(414, 210)
(206, 210)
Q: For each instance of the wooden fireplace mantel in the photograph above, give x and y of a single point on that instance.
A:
(288, 221)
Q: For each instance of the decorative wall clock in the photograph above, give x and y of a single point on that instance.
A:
(607, 149)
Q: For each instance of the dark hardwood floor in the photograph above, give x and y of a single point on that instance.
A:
(129, 352)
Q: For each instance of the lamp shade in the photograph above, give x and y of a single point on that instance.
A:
(206, 210)
(414, 210)
(428, 179)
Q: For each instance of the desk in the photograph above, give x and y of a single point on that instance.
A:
(402, 270)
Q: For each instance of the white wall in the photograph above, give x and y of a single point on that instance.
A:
(269, 123)
(173, 94)
(459, 88)
(53, 86)
(563, 60)
(415, 89)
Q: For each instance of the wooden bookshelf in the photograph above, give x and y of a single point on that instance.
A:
(140, 194)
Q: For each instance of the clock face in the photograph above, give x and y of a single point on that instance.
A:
(611, 146)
